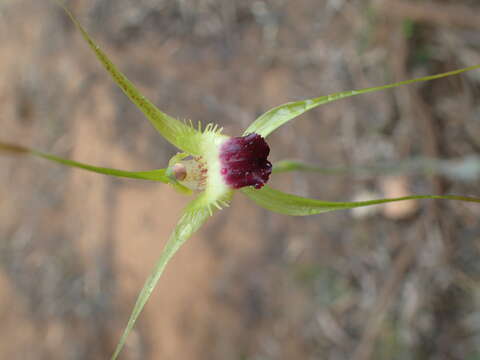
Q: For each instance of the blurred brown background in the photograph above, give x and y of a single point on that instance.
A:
(75, 247)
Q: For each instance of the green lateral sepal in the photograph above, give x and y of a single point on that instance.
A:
(268, 122)
(194, 216)
(288, 204)
(153, 175)
(182, 135)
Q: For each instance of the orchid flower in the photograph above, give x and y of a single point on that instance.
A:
(212, 165)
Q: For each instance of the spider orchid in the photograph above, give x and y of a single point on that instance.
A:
(212, 166)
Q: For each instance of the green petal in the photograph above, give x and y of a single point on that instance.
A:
(464, 169)
(282, 203)
(181, 135)
(196, 213)
(155, 175)
(276, 117)
(283, 166)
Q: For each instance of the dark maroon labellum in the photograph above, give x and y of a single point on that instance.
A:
(244, 161)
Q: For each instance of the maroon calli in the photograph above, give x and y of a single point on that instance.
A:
(244, 161)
